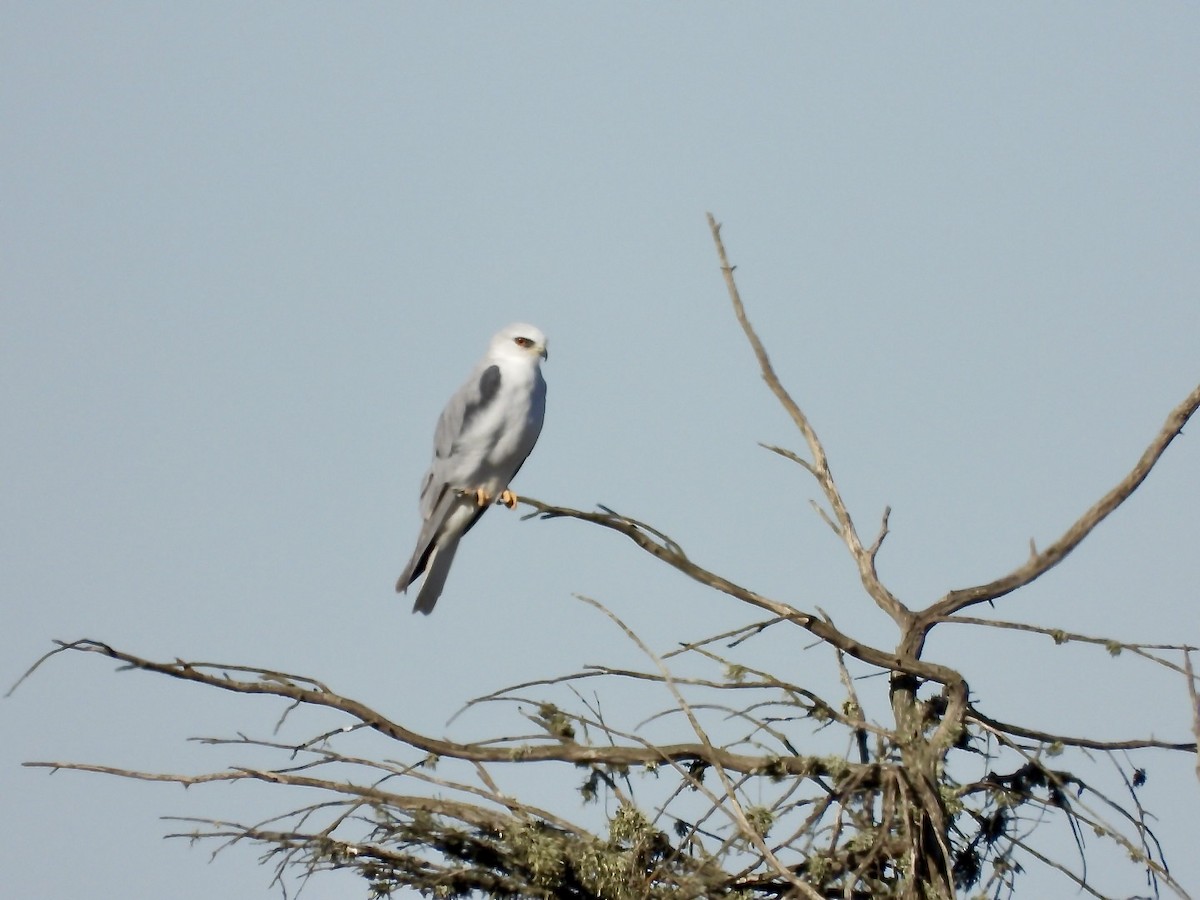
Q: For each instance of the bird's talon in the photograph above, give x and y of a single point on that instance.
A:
(508, 498)
(479, 495)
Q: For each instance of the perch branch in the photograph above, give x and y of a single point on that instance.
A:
(814, 624)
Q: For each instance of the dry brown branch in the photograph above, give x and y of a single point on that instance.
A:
(1050, 738)
(1040, 563)
(734, 806)
(1062, 636)
(883, 659)
(819, 467)
(1066, 791)
(462, 811)
(577, 754)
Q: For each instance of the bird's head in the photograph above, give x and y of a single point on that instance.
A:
(520, 341)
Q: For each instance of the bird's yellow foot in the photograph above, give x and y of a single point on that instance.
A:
(508, 498)
(481, 497)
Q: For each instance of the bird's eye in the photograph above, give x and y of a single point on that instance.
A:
(523, 342)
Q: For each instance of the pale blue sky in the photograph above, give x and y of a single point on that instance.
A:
(250, 249)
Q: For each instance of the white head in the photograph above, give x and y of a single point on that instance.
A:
(520, 341)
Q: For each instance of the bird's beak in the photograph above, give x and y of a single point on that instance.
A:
(545, 354)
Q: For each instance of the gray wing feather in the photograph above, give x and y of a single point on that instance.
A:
(468, 401)
(437, 497)
(427, 539)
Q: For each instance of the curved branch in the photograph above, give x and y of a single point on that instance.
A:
(1040, 563)
(464, 812)
(669, 553)
(1062, 636)
(1045, 737)
(278, 685)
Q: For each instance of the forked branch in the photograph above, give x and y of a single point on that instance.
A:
(668, 551)
(819, 467)
(294, 688)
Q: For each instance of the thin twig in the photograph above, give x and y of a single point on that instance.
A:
(1191, 685)
(735, 807)
(576, 754)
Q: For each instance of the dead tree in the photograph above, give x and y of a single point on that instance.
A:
(921, 794)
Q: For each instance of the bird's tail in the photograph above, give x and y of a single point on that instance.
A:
(437, 567)
(415, 567)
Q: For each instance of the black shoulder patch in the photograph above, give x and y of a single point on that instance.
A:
(489, 386)
(489, 383)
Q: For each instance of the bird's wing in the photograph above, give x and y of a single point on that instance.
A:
(452, 518)
(439, 500)
(427, 540)
(469, 401)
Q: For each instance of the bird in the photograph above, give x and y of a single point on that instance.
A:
(482, 439)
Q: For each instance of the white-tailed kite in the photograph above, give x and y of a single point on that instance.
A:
(483, 436)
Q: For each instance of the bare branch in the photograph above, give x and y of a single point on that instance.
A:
(819, 467)
(895, 662)
(1040, 563)
(789, 454)
(1062, 636)
(873, 550)
(462, 811)
(1191, 685)
(1046, 737)
(1080, 813)
(734, 806)
(577, 754)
